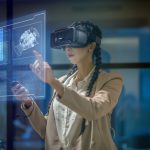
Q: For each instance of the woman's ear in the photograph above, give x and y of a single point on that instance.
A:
(92, 46)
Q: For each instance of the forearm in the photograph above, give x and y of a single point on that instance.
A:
(90, 108)
(58, 86)
(36, 118)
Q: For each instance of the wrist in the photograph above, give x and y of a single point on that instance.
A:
(27, 103)
(52, 82)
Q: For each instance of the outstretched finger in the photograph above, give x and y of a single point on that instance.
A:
(32, 68)
(38, 56)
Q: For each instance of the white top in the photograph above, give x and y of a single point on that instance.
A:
(68, 121)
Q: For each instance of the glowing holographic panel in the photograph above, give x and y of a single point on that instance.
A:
(27, 40)
(19, 39)
(31, 82)
(1, 45)
(28, 35)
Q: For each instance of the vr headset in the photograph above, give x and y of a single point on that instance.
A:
(72, 37)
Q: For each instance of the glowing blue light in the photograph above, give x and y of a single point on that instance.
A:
(1, 45)
(17, 42)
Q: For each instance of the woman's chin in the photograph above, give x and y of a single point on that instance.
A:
(73, 61)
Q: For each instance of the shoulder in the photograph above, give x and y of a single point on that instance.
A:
(109, 75)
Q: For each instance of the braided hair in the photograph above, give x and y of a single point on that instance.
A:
(92, 29)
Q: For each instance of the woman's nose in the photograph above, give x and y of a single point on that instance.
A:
(68, 49)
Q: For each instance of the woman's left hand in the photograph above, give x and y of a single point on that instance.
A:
(42, 69)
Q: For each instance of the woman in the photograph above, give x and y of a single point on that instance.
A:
(79, 115)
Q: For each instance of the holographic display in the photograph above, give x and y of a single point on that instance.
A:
(1, 45)
(27, 40)
(17, 42)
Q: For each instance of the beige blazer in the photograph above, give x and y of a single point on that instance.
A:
(96, 109)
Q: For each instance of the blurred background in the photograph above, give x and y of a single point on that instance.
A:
(125, 25)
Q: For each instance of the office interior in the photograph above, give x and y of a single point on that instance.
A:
(125, 26)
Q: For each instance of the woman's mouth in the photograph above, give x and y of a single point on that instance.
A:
(70, 55)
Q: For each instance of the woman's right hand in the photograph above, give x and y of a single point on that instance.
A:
(22, 94)
(42, 69)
